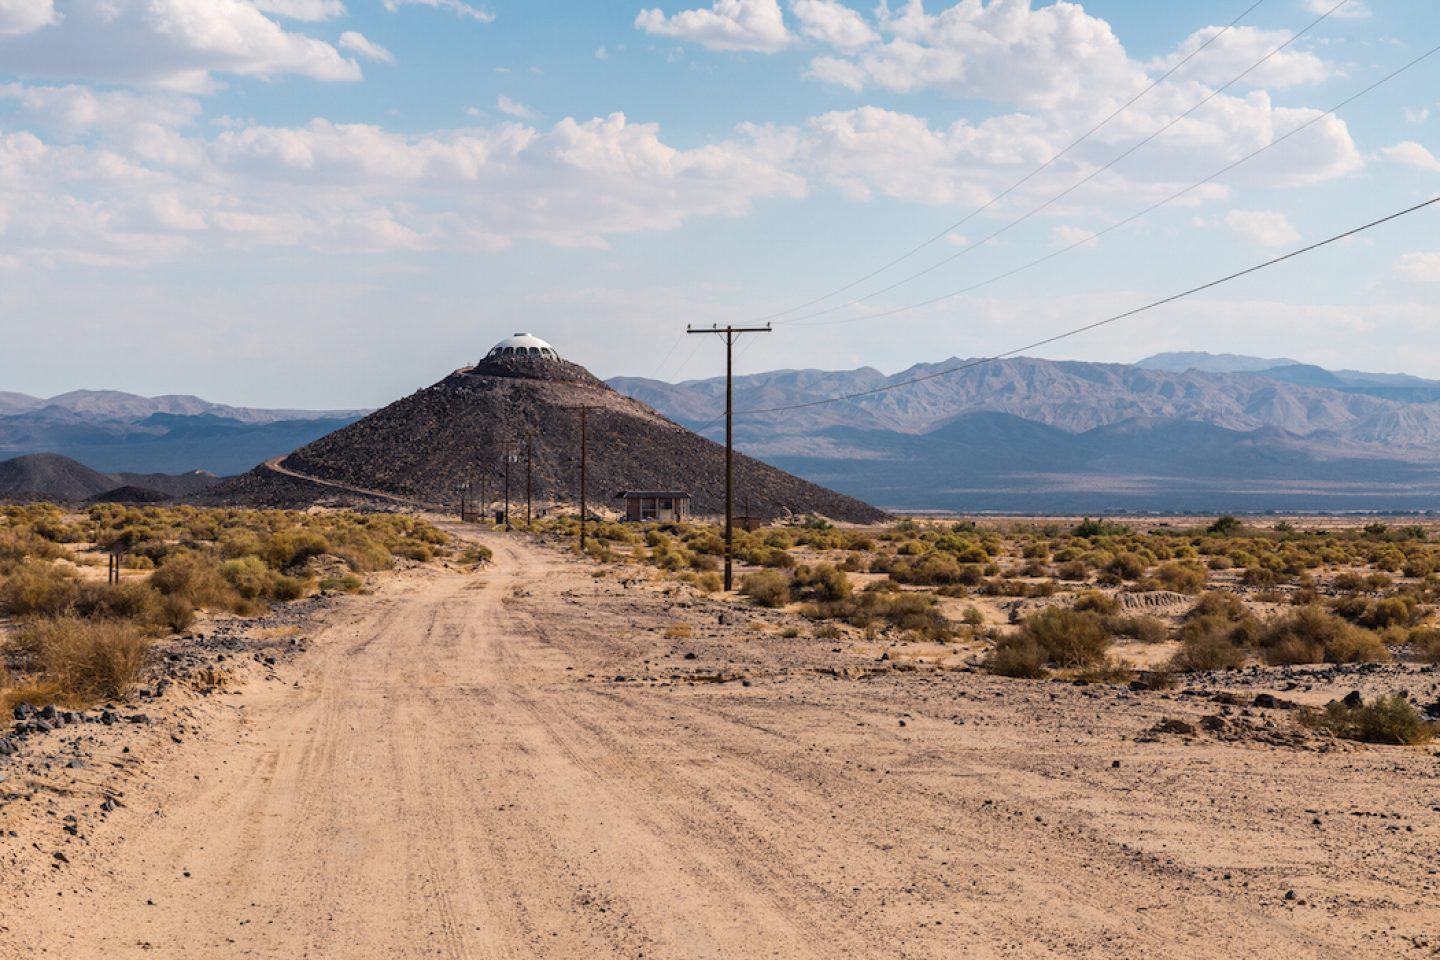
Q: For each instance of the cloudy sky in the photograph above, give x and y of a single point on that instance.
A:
(335, 202)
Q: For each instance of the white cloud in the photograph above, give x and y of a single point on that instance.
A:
(1419, 267)
(358, 187)
(1237, 49)
(1001, 51)
(170, 43)
(833, 23)
(1416, 114)
(457, 7)
(1354, 10)
(74, 110)
(359, 44)
(1267, 228)
(308, 10)
(748, 25)
(513, 108)
(1411, 154)
(1066, 235)
(601, 53)
(19, 17)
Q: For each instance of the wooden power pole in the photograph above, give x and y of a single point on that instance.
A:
(584, 410)
(730, 335)
(529, 457)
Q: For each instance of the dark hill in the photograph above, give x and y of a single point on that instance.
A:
(49, 476)
(423, 446)
(131, 494)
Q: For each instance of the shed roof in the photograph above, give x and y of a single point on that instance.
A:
(666, 494)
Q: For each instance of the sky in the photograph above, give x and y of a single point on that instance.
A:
(333, 203)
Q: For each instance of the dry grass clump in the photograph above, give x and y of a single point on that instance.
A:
(678, 631)
(83, 661)
(912, 613)
(1389, 720)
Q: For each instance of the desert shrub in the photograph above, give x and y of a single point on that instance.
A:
(1144, 628)
(1070, 638)
(1075, 570)
(1096, 601)
(1314, 634)
(128, 600)
(827, 631)
(1206, 648)
(768, 588)
(1017, 655)
(85, 660)
(1182, 577)
(1390, 720)
(678, 631)
(196, 579)
(1126, 566)
(37, 588)
(1391, 611)
(822, 582)
(1259, 577)
(710, 582)
(973, 617)
(247, 575)
(475, 553)
(362, 553)
(1225, 526)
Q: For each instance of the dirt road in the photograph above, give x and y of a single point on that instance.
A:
(457, 772)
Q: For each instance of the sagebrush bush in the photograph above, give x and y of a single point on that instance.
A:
(1389, 720)
(37, 588)
(768, 588)
(1314, 635)
(1069, 638)
(1016, 655)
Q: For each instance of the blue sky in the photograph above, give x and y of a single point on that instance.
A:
(332, 203)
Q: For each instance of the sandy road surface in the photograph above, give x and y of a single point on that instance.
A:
(457, 773)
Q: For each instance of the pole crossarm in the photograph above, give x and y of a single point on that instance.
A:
(730, 334)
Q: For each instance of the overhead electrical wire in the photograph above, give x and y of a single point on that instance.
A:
(1068, 190)
(1037, 171)
(1076, 331)
(1134, 216)
(1033, 173)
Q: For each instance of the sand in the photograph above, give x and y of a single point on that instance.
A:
(516, 762)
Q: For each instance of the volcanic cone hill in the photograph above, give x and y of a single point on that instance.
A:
(424, 446)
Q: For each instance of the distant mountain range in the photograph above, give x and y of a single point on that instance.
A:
(110, 430)
(1172, 432)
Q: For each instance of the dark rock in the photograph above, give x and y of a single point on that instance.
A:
(23, 711)
(109, 718)
(1265, 701)
(1354, 701)
(49, 713)
(137, 718)
(1171, 725)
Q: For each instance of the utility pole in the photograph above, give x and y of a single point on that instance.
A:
(510, 458)
(730, 334)
(584, 410)
(529, 457)
(464, 488)
(485, 493)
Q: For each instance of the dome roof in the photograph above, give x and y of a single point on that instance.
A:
(522, 345)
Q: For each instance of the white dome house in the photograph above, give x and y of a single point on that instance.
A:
(522, 345)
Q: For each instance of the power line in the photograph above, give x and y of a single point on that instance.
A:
(1098, 323)
(1038, 170)
(1134, 216)
(1074, 186)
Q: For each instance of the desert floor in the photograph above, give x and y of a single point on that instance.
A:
(517, 762)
